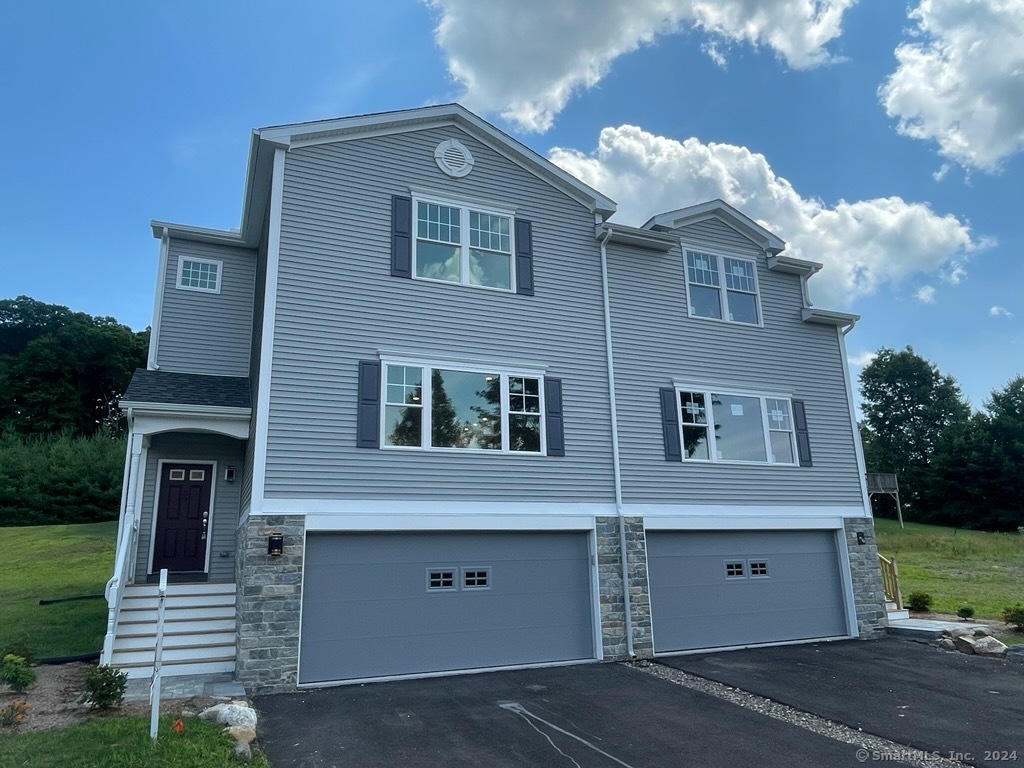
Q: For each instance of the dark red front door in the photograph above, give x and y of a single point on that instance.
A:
(183, 517)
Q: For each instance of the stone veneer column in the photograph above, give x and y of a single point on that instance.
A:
(868, 594)
(609, 569)
(267, 609)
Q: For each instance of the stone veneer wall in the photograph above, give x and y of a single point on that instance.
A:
(613, 614)
(868, 595)
(269, 596)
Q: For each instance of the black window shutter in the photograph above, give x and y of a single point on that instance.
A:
(524, 257)
(368, 417)
(803, 440)
(401, 236)
(670, 424)
(554, 421)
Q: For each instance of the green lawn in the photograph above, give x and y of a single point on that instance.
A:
(956, 567)
(122, 742)
(48, 561)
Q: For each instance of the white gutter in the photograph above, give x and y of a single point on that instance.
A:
(858, 445)
(616, 467)
(158, 299)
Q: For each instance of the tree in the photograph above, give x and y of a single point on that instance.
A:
(912, 413)
(60, 370)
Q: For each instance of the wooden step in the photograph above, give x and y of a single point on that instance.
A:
(183, 668)
(136, 602)
(148, 615)
(205, 588)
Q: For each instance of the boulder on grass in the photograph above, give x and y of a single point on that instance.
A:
(242, 752)
(231, 714)
(238, 733)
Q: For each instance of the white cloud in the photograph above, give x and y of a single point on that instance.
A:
(864, 244)
(962, 83)
(862, 359)
(925, 294)
(997, 311)
(525, 58)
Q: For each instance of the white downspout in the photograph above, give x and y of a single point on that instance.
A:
(616, 467)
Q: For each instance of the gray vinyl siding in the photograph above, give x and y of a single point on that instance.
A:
(657, 344)
(254, 371)
(337, 303)
(195, 448)
(203, 332)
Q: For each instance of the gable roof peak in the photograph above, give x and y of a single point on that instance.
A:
(718, 209)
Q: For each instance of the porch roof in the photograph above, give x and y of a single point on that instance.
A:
(188, 389)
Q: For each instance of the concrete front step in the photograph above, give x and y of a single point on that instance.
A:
(926, 628)
(897, 615)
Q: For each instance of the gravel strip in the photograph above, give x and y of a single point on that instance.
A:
(871, 748)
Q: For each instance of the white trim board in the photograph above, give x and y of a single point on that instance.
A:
(397, 522)
(443, 508)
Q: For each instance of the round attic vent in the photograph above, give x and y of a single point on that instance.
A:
(453, 158)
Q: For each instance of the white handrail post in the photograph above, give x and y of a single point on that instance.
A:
(154, 688)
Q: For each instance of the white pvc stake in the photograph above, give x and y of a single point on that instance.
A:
(154, 687)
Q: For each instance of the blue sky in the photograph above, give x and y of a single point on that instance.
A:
(884, 139)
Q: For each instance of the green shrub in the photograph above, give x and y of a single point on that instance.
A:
(965, 612)
(16, 672)
(919, 601)
(105, 686)
(1015, 616)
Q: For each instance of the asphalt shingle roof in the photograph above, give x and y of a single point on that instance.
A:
(188, 389)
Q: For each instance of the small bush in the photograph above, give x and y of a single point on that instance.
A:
(919, 601)
(13, 713)
(19, 647)
(105, 686)
(16, 672)
(965, 612)
(1015, 616)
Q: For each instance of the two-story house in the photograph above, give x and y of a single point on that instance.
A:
(429, 410)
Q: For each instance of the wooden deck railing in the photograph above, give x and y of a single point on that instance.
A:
(891, 581)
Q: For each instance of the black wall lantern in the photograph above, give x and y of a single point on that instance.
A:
(861, 539)
(275, 545)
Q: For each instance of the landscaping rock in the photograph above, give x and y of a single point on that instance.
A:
(959, 632)
(989, 646)
(231, 714)
(982, 632)
(946, 643)
(964, 643)
(242, 751)
(238, 733)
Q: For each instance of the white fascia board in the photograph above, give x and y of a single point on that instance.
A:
(323, 523)
(828, 317)
(633, 237)
(721, 210)
(155, 422)
(383, 123)
(199, 234)
(789, 265)
(139, 408)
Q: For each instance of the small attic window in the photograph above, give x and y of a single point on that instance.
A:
(199, 274)
(453, 158)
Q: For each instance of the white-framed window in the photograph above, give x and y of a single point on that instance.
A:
(722, 288)
(463, 244)
(736, 427)
(447, 407)
(199, 274)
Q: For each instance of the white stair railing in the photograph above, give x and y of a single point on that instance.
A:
(123, 563)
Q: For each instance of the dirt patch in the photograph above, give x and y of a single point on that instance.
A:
(55, 700)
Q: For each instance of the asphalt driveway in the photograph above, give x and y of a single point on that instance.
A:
(909, 692)
(607, 715)
(588, 716)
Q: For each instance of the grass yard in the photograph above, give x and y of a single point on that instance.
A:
(122, 742)
(48, 561)
(956, 567)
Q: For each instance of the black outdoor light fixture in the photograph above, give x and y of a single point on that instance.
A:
(860, 537)
(275, 545)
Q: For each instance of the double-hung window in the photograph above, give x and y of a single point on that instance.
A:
(722, 287)
(720, 426)
(468, 409)
(463, 244)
